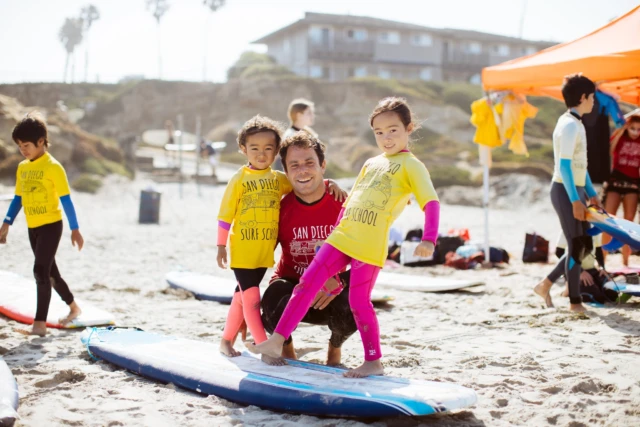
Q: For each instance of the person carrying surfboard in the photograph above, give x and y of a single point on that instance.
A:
(251, 203)
(379, 195)
(572, 186)
(307, 217)
(41, 185)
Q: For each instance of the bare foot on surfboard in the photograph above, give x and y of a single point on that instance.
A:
(367, 368)
(271, 347)
(543, 289)
(227, 349)
(273, 361)
(74, 312)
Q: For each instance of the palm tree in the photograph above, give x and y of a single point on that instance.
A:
(158, 9)
(213, 6)
(88, 14)
(70, 36)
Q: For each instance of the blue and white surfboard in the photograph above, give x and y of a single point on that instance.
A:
(623, 232)
(299, 387)
(625, 288)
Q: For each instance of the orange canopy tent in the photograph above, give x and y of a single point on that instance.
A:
(609, 56)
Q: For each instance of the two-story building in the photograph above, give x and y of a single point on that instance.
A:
(337, 47)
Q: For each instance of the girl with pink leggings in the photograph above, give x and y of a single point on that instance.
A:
(380, 193)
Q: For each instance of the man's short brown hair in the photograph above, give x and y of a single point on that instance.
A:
(302, 139)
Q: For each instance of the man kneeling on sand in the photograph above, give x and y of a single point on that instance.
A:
(307, 217)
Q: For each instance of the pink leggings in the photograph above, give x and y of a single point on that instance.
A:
(327, 263)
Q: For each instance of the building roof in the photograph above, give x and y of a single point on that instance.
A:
(365, 21)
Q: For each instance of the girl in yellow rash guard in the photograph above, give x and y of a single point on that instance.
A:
(379, 195)
(41, 184)
(251, 203)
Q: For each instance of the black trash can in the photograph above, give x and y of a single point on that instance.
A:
(149, 207)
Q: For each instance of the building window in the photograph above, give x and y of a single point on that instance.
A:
(476, 79)
(529, 50)
(425, 74)
(320, 35)
(357, 35)
(422, 40)
(383, 73)
(474, 47)
(389, 37)
(357, 71)
(360, 71)
(315, 71)
(501, 50)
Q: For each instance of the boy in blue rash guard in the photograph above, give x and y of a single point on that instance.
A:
(572, 186)
(41, 184)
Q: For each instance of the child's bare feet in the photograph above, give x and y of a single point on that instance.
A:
(577, 308)
(227, 349)
(543, 289)
(367, 368)
(38, 328)
(289, 352)
(334, 356)
(74, 312)
(271, 347)
(273, 361)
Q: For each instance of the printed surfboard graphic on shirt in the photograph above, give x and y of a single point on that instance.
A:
(379, 193)
(374, 192)
(260, 209)
(35, 197)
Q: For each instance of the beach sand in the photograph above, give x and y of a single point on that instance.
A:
(529, 365)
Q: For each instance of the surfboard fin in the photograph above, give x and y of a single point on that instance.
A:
(593, 231)
(613, 245)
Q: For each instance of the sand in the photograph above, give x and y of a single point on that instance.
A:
(529, 365)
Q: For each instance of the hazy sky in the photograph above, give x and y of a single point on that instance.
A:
(124, 40)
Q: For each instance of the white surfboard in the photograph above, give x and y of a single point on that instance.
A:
(299, 387)
(8, 395)
(379, 297)
(203, 286)
(220, 289)
(160, 137)
(192, 147)
(4, 197)
(411, 282)
(18, 302)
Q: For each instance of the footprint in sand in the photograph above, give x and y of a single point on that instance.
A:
(66, 376)
(552, 389)
(593, 387)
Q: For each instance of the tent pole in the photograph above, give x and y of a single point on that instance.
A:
(485, 160)
(181, 129)
(198, 152)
